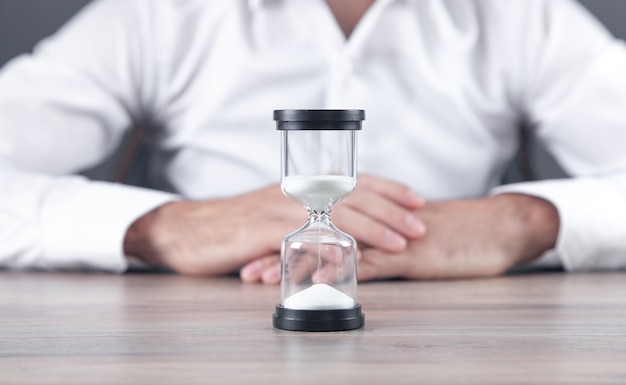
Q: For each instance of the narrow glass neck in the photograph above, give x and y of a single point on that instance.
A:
(324, 216)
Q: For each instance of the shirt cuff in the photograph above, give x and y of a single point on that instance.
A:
(86, 230)
(591, 212)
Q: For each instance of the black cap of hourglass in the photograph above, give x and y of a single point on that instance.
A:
(319, 119)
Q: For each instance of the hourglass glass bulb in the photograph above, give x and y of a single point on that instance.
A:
(318, 193)
(318, 282)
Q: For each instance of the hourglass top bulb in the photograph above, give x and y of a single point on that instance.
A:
(317, 193)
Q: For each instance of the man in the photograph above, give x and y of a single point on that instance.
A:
(445, 84)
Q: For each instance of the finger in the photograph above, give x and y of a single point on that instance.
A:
(335, 266)
(326, 274)
(313, 258)
(330, 274)
(369, 231)
(272, 274)
(253, 271)
(387, 212)
(302, 266)
(397, 192)
(380, 265)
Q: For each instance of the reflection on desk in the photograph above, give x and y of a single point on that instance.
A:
(164, 329)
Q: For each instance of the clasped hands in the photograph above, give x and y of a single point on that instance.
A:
(399, 235)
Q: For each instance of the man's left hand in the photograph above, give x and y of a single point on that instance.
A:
(470, 238)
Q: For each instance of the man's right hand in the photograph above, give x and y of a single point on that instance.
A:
(221, 236)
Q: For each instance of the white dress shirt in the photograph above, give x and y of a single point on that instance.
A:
(445, 85)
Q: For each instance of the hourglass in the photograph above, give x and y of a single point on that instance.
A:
(318, 282)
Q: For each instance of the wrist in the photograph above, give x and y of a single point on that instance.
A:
(141, 237)
(534, 223)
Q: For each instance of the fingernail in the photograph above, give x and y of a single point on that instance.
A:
(414, 225)
(417, 198)
(320, 277)
(395, 240)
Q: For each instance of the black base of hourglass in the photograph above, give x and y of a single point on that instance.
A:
(318, 320)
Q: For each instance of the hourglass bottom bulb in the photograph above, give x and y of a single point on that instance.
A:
(319, 297)
(319, 308)
(318, 320)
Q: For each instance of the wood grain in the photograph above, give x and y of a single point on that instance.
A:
(163, 329)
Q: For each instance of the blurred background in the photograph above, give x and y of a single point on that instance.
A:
(24, 22)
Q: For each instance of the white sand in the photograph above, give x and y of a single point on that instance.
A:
(319, 297)
(318, 191)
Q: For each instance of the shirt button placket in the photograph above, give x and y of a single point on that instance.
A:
(341, 72)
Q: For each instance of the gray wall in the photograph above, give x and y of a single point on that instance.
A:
(24, 22)
(613, 14)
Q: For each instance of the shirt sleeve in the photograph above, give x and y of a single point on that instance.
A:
(54, 223)
(63, 109)
(575, 99)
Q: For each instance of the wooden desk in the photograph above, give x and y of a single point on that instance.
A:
(167, 329)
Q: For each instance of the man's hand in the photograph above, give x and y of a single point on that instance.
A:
(221, 236)
(470, 238)
(378, 214)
